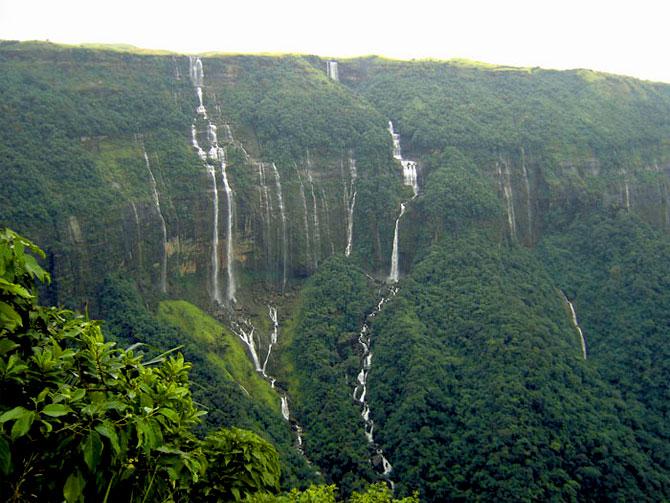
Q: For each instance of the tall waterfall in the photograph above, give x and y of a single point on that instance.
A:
(353, 174)
(138, 230)
(331, 70)
(280, 200)
(231, 286)
(315, 215)
(266, 211)
(157, 206)
(215, 154)
(409, 172)
(272, 311)
(305, 219)
(573, 314)
(394, 275)
(506, 186)
(626, 186)
(360, 390)
(529, 207)
(409, 178)
(326, 212)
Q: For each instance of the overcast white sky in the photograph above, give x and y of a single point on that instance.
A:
(628, 37)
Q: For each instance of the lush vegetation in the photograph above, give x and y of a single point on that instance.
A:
(325, 359)
(81, 420)
(533, 183)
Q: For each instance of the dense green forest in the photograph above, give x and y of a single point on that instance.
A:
(541, 223)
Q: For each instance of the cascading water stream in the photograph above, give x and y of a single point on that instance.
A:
(272, 311)
(215, 154)
(529, 208)
(394, 275)
(245, 331)
(317, 230)
(305, 218)
(231, 287)
(157, 206)
(410, 179)
(280, 200)
(138, 230)
(326, 212)
(360, 391)
(353, 174)
(573, 314)
(506, 186)
(332, 71)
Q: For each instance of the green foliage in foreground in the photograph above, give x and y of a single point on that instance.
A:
(82, 420)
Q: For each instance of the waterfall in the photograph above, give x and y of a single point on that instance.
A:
(305, 219)
(273, 339)
(230, 253)
(506, 186)
(265, 211)
(284, 407)
(529, 208)
(573, 314)
(326, 212)
(246, 334)
(215, 154)
(157, 206)
(280, 200)
(394, 275)
(353, 174)
(409, 173)
(360, 390)
(216, 290)
(627, 193)
(331, 70)
(317, 230)
(245, 330)
(409, 178)
(139, 233)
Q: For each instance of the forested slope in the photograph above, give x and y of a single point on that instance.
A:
(539, 192)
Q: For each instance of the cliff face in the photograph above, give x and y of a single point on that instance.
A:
(77, 124)
(102, 167)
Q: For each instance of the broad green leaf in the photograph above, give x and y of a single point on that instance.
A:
(92, 450)
(34, 269)
(14, 289)
(5, 456)
(56, 410)
(22, 425)
(9, 318)
(6, 346)
(169, 413)
(74, 488)
(107, 431)
(14, 413)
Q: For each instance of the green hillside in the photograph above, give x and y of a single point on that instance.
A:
(181, 198)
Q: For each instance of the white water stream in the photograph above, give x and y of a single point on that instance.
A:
(360, 391)
(410, 179)
(353, 174)
(332, 71)
(157, 206)
(215, 154)
(505, 179)
(280, 200)
(573, 314)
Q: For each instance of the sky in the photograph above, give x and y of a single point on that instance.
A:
(626, 37)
